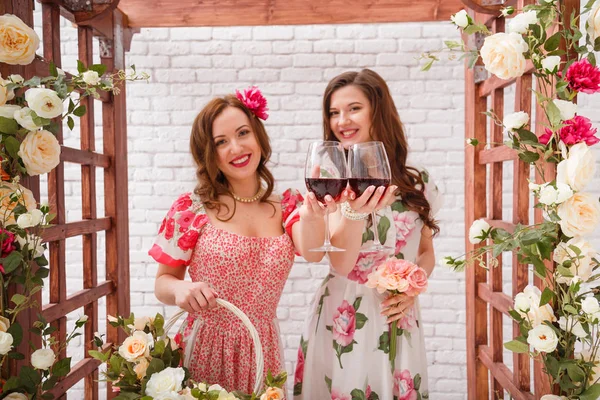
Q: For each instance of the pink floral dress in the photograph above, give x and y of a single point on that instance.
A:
(344, 348)
(249, 272)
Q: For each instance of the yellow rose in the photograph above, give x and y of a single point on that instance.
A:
(7, 205)
(579, 215)
(18, 42)
(135, 347)
(502, 55)
(593, 22)
(40, 152)
(272, 393)
(140, 368)
(4, 324)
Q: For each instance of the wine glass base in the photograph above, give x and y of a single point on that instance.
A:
(327, 249)
(376, 248)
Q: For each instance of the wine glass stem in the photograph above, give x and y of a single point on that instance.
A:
(327, 238)
(375, 230)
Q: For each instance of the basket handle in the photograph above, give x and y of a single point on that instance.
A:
(260, 362)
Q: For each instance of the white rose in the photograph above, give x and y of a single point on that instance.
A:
(45, 102)
(579, 215)
(593, 22)
(460, 19)
(225, 395)
(202, 387)
(214, 387)
(4, 324)
(572, 325)
(578, 169)
(40, 152)
(141, 322)
(9, 110)
(582, 265)
(527, 304)
(534, 186)
(567, 109)
(91, 78)
(515, 120)
(522, 304)
(478, 228)
(590, 305)
(548, 195)
(166, 381)
(6, 341)
(6, 93)
(502, 55)
(25, 221)
(552, 396)
(564, 192)
(15, 51)
(551, 63)
(543, 339)
(16, 396)
(520, 23)
(16, 78)
(135, 347)
(43, 358)
(25, 119)
(34, 243)
(25, 197)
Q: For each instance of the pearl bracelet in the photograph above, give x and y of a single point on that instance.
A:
(349, 213)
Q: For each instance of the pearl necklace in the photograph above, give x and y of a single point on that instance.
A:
(252, 199)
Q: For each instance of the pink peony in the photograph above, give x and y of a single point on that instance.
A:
(335, 395)
(368, 391)
(344, 324)
(183, 203)
(364, 265)
(8, 242)
(299, 374)
(169, 228)
(1, 268)
(405, 223)
(200, 221)
(254, 101)
(576, 130)
(185, 219)
(188, 240)
(583, 77)
(404, 387)
(417, 280)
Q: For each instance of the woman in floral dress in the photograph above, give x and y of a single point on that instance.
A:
(344, 350)
(228, 234)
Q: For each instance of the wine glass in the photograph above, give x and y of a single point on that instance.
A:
(326, 173)
(368, 165)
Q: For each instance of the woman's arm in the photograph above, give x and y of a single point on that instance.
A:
(426, 253)
(171, 288)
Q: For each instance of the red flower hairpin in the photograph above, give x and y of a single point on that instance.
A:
(255, 101)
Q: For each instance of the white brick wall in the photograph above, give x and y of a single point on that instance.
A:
(292, 65)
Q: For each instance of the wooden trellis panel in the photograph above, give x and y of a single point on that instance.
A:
(113, 161)
(487, 305)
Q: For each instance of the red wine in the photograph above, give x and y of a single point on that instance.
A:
(326, 186)
(359, 185)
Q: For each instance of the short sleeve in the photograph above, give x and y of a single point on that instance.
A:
(179, 232)
(291, 201)
(432, 192)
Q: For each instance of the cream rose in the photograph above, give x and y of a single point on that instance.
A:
(552, 397)
(548, 195)
(91, 78)
(140, 368)
(520, 23)
(551, 63)
(570, 324)
(25, 119)
(16, 396)
(543, 339)
(166, 381)
(502, 55)
(25, 198)
(3, 95)
(9, 110)
(135, 347)
(140, 323)
(590, 305)
(582, 265)
(515, 120)
(593, 22)
(6, 341)
(45, 102)
(460, 19)
(478, 228)
(29, 219)
(40, 152)
(567, 109)
(18, 42)
(527, 304)
(43, 358)
(579, 215)
(578, 169)
(272, 393)
(4, 324)
(34, 243)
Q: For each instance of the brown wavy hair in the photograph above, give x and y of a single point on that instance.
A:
(386, 127)
(211, 181)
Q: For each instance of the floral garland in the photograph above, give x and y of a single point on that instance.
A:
(31, 112)
(560, 325)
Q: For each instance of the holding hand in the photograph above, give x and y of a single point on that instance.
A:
(312, 209)
(196, 296)
(396, 307)
(373, 199)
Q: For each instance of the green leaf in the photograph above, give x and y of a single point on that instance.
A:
(527, 137)
(382, 228)
(328, 383)
(16, 331)
(575, 372)
(547, 295)
(62, 367)
(529, 156)
(70, 122)
(12, 146)
(35, 81)
(79, 111)
(16, 356)
(427, 66)
(592, 393)
(361, 319)
(18, 299)
(358, 394)
(597, 44)
(452, 44)
(49, 384)
(298, 389)
(417, 381)
(368, 235)
(81, 67)
(552, 42)
(570, 309)
(516, 346)
(156, 365)
(553, 113)
(8, 125)
(30, 378)
(384, 342)
(98, 355)
(52, 69)
(12, 383)
(356, 303)
(12, 262)
(592, 59)
(99, 68)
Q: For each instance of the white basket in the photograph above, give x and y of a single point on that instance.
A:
(260, 362)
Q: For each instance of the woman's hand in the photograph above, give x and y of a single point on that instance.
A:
(195, 296)
(373, 199)
(396, 307)
(312, 209)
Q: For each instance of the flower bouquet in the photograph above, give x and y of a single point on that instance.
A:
(397, 276)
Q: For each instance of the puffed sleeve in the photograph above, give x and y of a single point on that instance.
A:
(290, 204)
(179, 232)
(432, 192)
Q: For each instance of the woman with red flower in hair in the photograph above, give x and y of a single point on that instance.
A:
(229, 235)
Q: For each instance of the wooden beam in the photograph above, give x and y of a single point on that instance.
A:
(502, 374)
(71, 229)
(180, 13)
(84, 157)
(497, 154)
(498, 300)
(54, 311)
(493, 82)
(82, 369)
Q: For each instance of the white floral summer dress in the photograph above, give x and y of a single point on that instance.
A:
(343, 353)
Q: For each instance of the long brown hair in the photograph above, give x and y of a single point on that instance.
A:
(386, 127)
(211, 181)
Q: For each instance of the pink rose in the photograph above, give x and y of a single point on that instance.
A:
(335, 395)
(200, 221)
(183, 203)
(299, 374)
(364, 265)
(417, 280)
(1, 268)
(344, 324)
(254, 101)
(583, 77)
(404, 387)
(188, 240)
(185, 219)
(169, 228)
(405, 223)
(576, 130)
(8, 242)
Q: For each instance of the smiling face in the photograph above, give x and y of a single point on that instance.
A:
(350, 116)
(238, 151)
